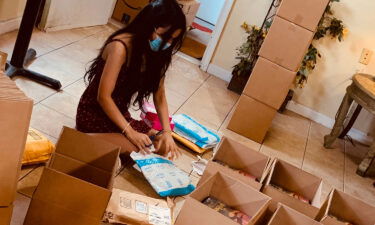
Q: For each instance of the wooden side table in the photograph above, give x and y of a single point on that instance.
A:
(362, 91)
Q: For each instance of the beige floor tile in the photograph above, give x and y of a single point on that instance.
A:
(188, 70)
(49, 121)
(28, 184)
(325, 163)
(64, 103)
(77, 88)
(58, 66)
(33, 90)
(210, 104)
(194, 180)
(133, 181)
(175, 100)
(286, 139)
(178, 204)
(184, 161)
(180, 84)
(360, 187)
(21, 205)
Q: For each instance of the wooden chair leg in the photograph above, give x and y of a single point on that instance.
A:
(339, 123)
(367, 161)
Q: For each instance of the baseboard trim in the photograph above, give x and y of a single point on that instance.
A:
(10, 25)
(219, 72)
(326, 121)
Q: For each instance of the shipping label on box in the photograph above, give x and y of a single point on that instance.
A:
(269, 83)
(286, 216)
(225, 198)
(130, 208)
(306, 13)
(342, 209)
(286, 44)
(238, 161)
(76, 186)
(251, 119)
(293, 187)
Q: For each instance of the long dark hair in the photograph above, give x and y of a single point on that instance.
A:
(141, 84)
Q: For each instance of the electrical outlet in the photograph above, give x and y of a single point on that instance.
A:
(365, 56)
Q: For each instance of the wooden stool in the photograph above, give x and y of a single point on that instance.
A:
(362, 91)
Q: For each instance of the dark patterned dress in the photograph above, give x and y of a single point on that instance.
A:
(90, 116)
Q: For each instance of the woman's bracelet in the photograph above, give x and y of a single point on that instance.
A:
(126, 127)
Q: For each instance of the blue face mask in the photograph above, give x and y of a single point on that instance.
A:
(155, 44)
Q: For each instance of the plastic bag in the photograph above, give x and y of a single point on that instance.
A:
(195, 132)
(165, 178)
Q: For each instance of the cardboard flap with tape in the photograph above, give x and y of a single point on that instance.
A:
(297, 186)
(237, 157)
(341, 208)
(230, 191)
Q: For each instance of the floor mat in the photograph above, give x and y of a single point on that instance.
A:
(193, 48)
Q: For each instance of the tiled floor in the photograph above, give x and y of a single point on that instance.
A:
(64, 56)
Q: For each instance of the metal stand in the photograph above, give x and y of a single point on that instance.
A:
(22, 55)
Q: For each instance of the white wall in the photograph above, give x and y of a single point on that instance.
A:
(209, 10)
(10, 14)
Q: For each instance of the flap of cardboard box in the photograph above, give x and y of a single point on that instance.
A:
(87, 149)
(81, 170)
(238, 156)
(213, 167)
(194, 212)
(346, 208)
(233, 193)
(6, 214)
(60, 192)
(286, 216)
(295, 180)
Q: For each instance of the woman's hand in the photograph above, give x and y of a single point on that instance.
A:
(140, 140)
(165, 145)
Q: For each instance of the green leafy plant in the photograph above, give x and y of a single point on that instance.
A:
(247, 52)
(328, 26)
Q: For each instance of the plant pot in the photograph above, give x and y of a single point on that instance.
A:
(238, 83)
(286, 101)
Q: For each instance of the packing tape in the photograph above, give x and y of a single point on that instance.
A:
(279, 61)
(292, 27)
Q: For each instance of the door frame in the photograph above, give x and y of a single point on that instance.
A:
(216, 34)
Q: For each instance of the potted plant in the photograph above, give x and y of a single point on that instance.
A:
(247, 55)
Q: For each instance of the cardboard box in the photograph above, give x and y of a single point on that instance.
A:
(76, 186)
(251, 119)
(130, 208)
(190, 9)
(6, 215)
(293, 179)
(286, 44)
(288, 216)
(347, 209)
(238, 157)
(125, 13)
(230, 191)
(269, 83)
(3, 60)
(306, 13)
(15, 114)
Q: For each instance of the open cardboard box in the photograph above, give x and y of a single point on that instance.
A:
(286, 44)
(288, 216)
(230, 191)
(238, 157)
(76, 186)
(269, 83)
(345, 208)
(293, 179)
(6, 215)
(306, 13)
